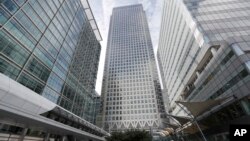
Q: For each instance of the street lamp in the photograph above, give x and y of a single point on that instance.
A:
(195, 121)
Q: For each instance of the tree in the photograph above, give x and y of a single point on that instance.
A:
(130, 135)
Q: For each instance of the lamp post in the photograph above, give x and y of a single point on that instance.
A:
(151, 132)
(178, 124)
(202, 134)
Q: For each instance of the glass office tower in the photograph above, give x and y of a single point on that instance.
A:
(204, 50)
(131, 90)
(52, 48)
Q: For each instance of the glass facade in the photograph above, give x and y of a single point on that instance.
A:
(204, 50)
(131, 88)
(50, 47)
(202, 43)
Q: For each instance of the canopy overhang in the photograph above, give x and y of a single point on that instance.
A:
(193, 128)
(198, 108)
(181, 119)
(174, 126)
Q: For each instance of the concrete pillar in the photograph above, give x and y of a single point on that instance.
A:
(46, 138)
(197, 73)
(71, 138)
(63, 138)
(246, 106)
(213, 51)
(24, 132)
(1, 125)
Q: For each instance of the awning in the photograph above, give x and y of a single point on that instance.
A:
(21, 106)
(166, 133)
(170, 125)
(198, 108)
(169, 130)
(181, 119)
(193, 128)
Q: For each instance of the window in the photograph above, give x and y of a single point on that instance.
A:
(13, 50)
(55, 82)
(10, 5)
(8, 69)
(28, 25)
(3, 16)
(18, 32)
(230, 83)
(38, 69)
(31, 83)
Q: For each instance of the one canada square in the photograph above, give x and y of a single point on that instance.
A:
(131, 89)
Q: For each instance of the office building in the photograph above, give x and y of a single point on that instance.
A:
(131, 93)
(204, 49)
(49, 54)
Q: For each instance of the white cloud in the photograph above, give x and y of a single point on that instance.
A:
(102, 10)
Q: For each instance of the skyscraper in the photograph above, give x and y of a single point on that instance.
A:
(49, 54)
(131, 89)
(204, 50)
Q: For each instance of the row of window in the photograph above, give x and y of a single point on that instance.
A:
(129, 67)
(240, 76)
(128, 111)
(110, 106)
(133, 101)
(132, 117)
(213, 73)
(134, 96)
(130, 78)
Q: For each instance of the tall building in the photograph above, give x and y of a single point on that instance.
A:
(131, 90)
(49, 54)
(204, 49)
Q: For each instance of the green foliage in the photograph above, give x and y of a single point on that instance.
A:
(130, 135)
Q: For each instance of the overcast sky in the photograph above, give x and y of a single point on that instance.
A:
(102, 9)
